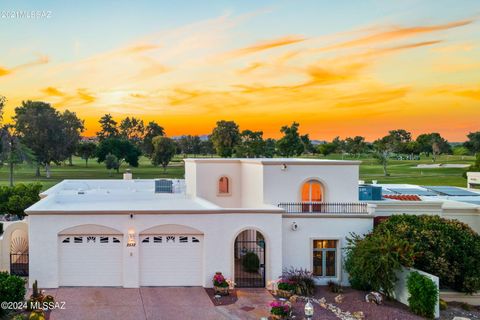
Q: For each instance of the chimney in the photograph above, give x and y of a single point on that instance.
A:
(127, 175)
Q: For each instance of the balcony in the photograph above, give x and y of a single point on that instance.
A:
(325, 207)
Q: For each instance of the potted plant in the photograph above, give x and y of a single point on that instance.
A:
(285, 288)
(220, 284)
(279, 309)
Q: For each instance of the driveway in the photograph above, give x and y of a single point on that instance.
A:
(155, 303)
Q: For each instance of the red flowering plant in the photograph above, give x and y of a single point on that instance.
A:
(219, 280)
(285, 284)
(279, 308)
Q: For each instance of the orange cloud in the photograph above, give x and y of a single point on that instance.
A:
(86, 96)
(371, 97)
(397, 33)
(262, 46)
(4, 72)
(51, 91)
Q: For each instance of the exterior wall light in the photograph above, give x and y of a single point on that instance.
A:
(308, 310)
(284, 167)
(131, 242)
(294, 226)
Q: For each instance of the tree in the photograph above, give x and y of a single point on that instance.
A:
(206, 147)
(251, 145)
(152, 130)
(72, 134)
(12, 150)
(189, 145)
(124, 150)
(86, 150)
(42, 129)
(356, 145)
(307, 144)
(225, 137)
(163, 151)
(397, 140)
(291, 143)
(269, 148)
(108, 128)
(327, 148)
(382, 150)
(473, 143)
(132, 129)
(3, 101)
(112, 163)
(433, 143)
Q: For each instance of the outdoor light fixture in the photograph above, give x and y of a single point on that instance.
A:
(308, 310)
(131, 239)
(284, 167)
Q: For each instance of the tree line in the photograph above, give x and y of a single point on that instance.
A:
(42, 135)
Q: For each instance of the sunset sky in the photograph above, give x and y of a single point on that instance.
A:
(339, 68)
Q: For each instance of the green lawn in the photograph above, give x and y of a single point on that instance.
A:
(401, 171)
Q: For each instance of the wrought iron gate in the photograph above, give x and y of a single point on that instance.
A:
(250, 263)
(19, 264)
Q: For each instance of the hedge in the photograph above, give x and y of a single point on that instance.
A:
(446, 248)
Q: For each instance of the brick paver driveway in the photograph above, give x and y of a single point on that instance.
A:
(155, 303)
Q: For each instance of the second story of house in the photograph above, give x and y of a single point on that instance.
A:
(237, 183)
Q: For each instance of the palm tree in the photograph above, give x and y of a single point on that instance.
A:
(12, 150)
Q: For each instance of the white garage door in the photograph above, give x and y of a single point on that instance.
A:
(171, 260)
(90, 260)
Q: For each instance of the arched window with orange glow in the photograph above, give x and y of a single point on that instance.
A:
(312, 191)
(223, 185)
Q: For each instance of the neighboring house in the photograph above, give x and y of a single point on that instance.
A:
(137, 232)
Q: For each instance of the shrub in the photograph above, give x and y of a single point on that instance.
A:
(19, 317)
(14, 200)
(12, 289)
(303, 280)
(443, 304)
(37, 315)
(446, 248)
(373, 261)
(251, 262)
(423, 294)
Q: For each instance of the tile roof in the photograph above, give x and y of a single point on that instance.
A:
(403, 197)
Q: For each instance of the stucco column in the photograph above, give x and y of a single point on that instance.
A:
(131, 262)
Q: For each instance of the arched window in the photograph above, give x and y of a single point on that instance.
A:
(224, 186)
(312, 191)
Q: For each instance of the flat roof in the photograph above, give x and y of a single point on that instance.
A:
(275, 161)
(125, 196)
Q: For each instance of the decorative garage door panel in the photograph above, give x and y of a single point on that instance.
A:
(171, 260)
(90, 260)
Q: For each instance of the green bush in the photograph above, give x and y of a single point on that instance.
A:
(12, 289)
(373, 261)
(302, 279)
(446, 248)
(443, 304)
(14, 200)
(251, 262)
(423, 294)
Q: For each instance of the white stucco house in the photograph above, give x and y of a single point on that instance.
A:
(137, 232)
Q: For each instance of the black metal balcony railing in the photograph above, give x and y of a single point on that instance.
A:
(325, 207)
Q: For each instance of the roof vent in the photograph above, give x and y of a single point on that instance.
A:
(163, 186)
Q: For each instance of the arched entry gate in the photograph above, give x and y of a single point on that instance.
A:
(19, 254)
(249, 256)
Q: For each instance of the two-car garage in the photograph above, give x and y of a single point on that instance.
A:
(96, 258)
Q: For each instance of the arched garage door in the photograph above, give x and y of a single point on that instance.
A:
(90, 260)
(171, 259)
